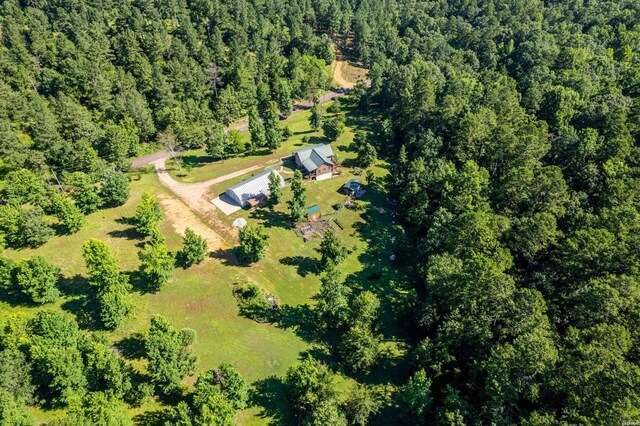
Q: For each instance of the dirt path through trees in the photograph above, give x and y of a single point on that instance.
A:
(339, 78)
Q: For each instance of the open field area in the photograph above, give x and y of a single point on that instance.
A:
(201, 297)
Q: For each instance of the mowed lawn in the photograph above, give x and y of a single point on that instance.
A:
(201, 297)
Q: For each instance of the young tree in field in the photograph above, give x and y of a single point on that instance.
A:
(211, 406)
(275, 189)
(194, 248)
(229, 382)
(37, 280)
(215, 141)
(14, 411)
(331, 249)
(69, 214)
(333, 128)
(148, 214)
(333, 302)
(359, 349)
(156, 264)
(169, 354)
(297, 204)
(315, 119)
(273, 132)
(83, 192)
(35, 229)
(256, 128)
(115, 188)
(253, 243)
(367, 155)
(112, 287)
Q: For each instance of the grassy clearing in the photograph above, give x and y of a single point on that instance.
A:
(201, 297)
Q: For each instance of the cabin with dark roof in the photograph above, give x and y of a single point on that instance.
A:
(316, 161)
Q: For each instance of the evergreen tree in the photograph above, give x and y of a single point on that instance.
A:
(35, 229)
(194, 248)
(333, 128)
(253, 243)
(148, 214)
(333, 304)
(114, 189)
(297, 204)
(215, 141)
(112, 287)
(275, 189)
(156, 264)
(256, 128)
(273, 133)
(83, 192)
(315, 119)
(331, 249)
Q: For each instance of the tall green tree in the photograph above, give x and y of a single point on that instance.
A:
(194, 248)
(37, 280)
(253, 243)
(297, 204)
(256, 128)
(148, 214)
(315, 119)
(275, 188)
(273, 133)
(156, 264)
(332, 300)
(331, 249)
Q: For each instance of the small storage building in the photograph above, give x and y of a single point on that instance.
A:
(253, 190)
(313, 212)
(351, 187)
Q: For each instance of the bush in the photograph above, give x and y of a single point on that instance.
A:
(253, 303)
(37, 280)
(35, 229)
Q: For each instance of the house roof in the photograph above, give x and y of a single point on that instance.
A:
(314, 156)
(314, 209)
(253, 187)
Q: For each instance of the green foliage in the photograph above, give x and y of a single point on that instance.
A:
(273, 133)
(13, 411)
(98, 408)
(332, 300)
(275, 189)
(256, 128)
(194, 248)
(111, 286)
(359, 349)
(104, 370)
(215, 141)
(169, 354)
(253, 243)
(114, 189)
(416, 396)
(223, 382)
(309, 385)
(11, 224)
(156, 264)
(83, 192)
(333, 128)
(37, 280)
(23, 186)
(315, 119)
(34, 229)
(297, 204)
(15, 375)
(252, 301)
(364, 309)
(148, 214)
(69, 214)
(331, 249)
(361, 405)
(367, 155)
(6, 273)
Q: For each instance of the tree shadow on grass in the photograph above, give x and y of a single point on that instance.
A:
(229, 257)
(270, 218)
(305, 265)
(151, 418)
(81, 301)
(129, 233)
(132, 347)
(270, 396)
(194, 161)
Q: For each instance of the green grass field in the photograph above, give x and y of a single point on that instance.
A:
(201, 297)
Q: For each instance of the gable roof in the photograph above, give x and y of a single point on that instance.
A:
(313, 209)
(252, 187)
(314, 156)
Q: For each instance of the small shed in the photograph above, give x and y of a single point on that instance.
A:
(313, 212)
(351, 187)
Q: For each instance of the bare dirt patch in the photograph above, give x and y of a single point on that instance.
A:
(181, 218)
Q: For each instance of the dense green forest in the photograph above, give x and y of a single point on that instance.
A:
(513, 133)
